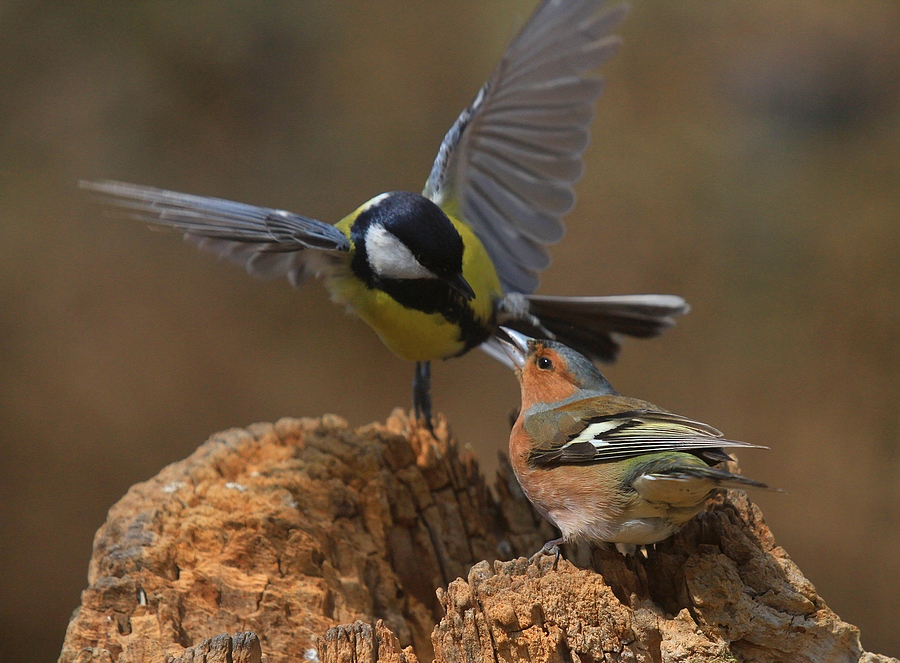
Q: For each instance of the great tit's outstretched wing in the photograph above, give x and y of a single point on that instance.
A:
(268, 243)
(508, 164)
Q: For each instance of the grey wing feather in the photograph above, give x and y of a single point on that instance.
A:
(268, 243)
(510, 160)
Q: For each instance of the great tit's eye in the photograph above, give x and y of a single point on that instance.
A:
(544, 364)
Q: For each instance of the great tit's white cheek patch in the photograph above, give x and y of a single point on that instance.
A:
(389, 258)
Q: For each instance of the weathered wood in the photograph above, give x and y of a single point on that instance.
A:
(328, 544)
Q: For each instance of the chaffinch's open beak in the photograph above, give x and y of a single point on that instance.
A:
(515, 345)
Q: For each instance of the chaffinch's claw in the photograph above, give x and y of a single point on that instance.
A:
(549, 548)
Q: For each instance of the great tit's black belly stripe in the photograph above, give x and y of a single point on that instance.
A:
(435, 296)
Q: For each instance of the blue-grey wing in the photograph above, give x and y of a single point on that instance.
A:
(508, 165)
(268, 243)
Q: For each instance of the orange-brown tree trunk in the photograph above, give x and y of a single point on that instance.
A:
(311, 541)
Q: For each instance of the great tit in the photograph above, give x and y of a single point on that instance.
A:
(602, 467)
(435, 274)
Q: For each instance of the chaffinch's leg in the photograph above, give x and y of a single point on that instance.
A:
(550, 548)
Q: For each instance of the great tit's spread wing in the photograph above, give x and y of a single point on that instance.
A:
(614, 437)
(508, 164)
(269, 243)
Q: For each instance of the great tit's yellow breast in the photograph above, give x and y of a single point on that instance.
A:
(479, 272)
(409, 333)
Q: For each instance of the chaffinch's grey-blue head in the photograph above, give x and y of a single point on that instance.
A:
(602, 467)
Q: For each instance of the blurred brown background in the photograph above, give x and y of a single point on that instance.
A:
(745, 155)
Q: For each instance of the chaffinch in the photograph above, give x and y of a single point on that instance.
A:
(603, 467)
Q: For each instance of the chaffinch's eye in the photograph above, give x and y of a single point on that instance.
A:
(544, 364)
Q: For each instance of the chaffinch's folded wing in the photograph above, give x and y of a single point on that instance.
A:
(611, 437)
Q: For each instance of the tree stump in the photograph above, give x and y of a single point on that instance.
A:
(311, 541)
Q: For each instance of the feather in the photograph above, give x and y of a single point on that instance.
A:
(592, 325)
(510, 160)
(614, 437)
(268, 243)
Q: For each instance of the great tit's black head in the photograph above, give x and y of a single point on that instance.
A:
(405, 236)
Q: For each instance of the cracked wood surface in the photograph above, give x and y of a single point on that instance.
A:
(315, 542)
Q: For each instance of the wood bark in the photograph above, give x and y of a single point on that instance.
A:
(312, 541)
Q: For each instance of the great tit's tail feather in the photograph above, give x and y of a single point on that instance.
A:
(594, 325)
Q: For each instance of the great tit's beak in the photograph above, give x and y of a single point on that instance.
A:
(461, 286)
(515, 345)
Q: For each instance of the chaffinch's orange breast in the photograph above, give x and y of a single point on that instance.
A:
(579, 499)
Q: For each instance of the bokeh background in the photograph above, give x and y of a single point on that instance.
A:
(745, 155)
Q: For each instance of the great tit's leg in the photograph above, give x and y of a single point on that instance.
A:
(422, 392)
(550, 548)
